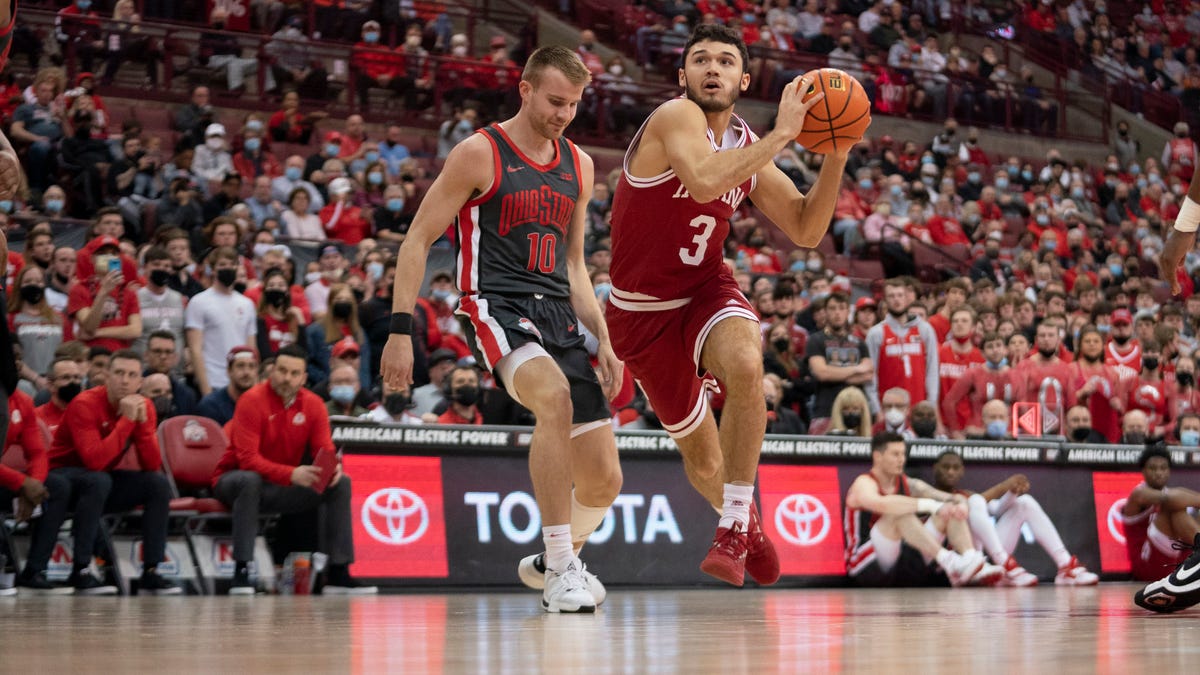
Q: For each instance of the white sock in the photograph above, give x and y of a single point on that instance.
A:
(984, 530)
(584, 521)
(559, 553)
(738, 499)
(944, 557)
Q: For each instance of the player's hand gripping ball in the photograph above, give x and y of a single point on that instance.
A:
(839, 120)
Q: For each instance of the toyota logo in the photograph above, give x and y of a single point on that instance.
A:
(1116, 522)
(395, 516)
(802, 520)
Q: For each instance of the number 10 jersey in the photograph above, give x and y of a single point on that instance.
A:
(665, 245)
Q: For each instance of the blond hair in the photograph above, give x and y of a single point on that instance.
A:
(847, 397)
(561, 59)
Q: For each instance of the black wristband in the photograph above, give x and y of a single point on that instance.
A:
(402, 324)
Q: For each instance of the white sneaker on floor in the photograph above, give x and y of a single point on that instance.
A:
(1017, 576)
(566, 591)
(988, 575)
(532, 571)
(353, 589)
(1074, 574)
(962, 567)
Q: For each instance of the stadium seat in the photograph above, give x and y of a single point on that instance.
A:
(191, 447)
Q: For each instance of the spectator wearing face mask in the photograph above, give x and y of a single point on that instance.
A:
(1079, 427)
(994, 416)
(1097, 386)
(104, 308)
(396, 408)
(1187, 430)
(65, 381)
(1135, 428)
(343, 393)
(241, 370)
(218, 320)
(991, 379)
(850, 415)
(925, 421)
(340, 218)
(1151, 392)
(895, 406)
(462, 393)
(780, 418)
(326, 333)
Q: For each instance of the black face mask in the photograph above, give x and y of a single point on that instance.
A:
(160, 277)
(62, 279)
(69, 391)
(342, 310)
(924, 428)
(780, 344)
(1121, 339)
(1134, 438)
(163, 405)
(1185, 379)
(227, 276)
(32, 294)
(275, 297)
(991, 253)
(466, 395)
(359, 294)
(1081, 434)
(1148, 362)
(239, 286)
(395, 404)
(852, 420)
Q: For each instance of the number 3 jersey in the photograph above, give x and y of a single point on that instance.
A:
(665, 245)
(512, 239)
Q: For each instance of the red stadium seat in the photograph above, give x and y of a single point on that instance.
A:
(191, 447)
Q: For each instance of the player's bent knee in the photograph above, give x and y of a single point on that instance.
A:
(1028, 503)
(704, 467)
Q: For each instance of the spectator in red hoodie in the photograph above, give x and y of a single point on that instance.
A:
(109, 454)
(376, 65)
(341, 218)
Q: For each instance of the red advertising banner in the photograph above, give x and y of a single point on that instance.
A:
(801, 509)
(1111, 489)
(399, 519)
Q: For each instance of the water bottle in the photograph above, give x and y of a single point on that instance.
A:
(285, 582)
(302, 576)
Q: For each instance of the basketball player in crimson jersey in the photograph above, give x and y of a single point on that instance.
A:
(677, 317)
(957, 356)
(519, 192)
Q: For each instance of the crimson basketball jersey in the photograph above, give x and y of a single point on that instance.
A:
(512, 239)
(860, 552)
(1128, 359)
(902, 362)
(665, 245)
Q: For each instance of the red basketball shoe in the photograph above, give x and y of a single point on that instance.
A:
(762, 563)
(726, 559)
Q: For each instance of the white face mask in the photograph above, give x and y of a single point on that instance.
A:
(312, 277)
(215, 143)
(894, 417)
(459, 51)
(616, 69)
(413, 41)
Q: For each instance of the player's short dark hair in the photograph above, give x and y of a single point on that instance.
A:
(161, 335)
(881, 440)
(1154, 450)
(719, 33)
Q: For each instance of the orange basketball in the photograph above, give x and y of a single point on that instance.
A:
(840, 119)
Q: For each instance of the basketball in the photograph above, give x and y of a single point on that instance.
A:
(840, 119)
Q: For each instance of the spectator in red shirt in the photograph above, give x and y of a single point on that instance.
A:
(253, 161)
(109, 454)
(1152, 393)
(944, 228)
(289, 125)
(105, 308)
(463, 396)
(994, 380)
(30, 487)
(866, 313)
(956, 291)
(277, 431)
(1046, 378)
(66, 381)
(376, 65)
(957, 356)
(340, 217)
(1097, 386)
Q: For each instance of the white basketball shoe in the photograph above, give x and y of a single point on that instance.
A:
(566, 591)
(532, 571)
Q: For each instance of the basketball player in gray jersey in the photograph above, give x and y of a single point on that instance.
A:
(517, 192)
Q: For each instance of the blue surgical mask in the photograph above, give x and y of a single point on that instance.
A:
(6, 206)
(1042, 219)
(1141, 183)
(865, 183)
(1103, 328)
(375, 270)
(897, 190)
(1077, 193)
(254, 125)
(1013, 171)
(54, 205)
(1135, 170)
(1027, 175)
(253, 144)
(83, 4)
(395, 204)
(1116, 269)
(997, 429)
(1001, 183)
(332, 149)
(342, 393)
(682, 28)
(603, 291)
(927, 160)
(973, 177)
(441, 294)
(1189, 438)
(375, 178)
(998, 365)
(293, 173)
(371, 37)
(371, 156)
(798, 266)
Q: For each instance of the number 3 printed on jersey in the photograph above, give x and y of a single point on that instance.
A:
(694, 258)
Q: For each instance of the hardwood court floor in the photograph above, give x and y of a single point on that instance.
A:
(1039, 630)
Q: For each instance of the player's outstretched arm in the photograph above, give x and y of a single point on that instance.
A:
(1183, 236)
(864, 494)
(583, 296)
(678, 132)
(468, 171)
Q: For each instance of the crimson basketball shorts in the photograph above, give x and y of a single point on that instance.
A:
(1151, 556)
(661, 348)
(496, 326)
